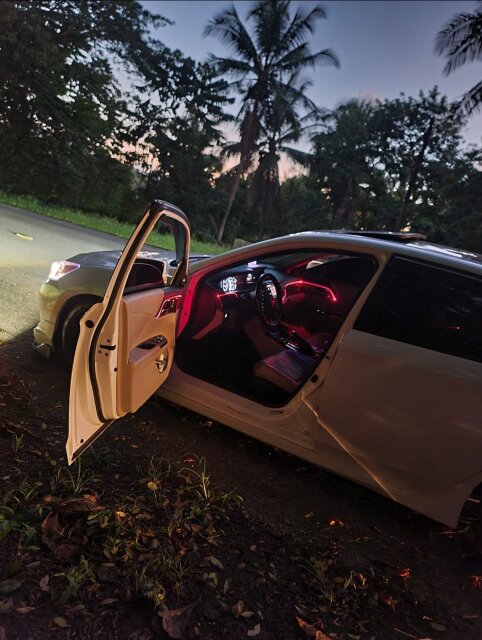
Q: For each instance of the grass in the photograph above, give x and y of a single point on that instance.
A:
(151, 532)
(101, 223)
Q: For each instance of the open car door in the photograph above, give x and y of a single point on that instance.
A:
(126, 343)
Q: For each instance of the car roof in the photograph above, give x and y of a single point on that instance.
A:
(409, 245)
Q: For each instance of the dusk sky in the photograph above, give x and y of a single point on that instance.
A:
(384, 47)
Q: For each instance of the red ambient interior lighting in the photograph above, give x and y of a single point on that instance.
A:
(304, 283)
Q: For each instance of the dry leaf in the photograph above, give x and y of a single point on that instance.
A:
(6, 604)
(248, 614)
(309, 629)
(336, 522)
(24, 610)
(437, 626)
(61, 622)
(237, 608)
(44, 583)
(319, 635)
(476, 581)
(7, 586)
(107, 601)
(255, 631)
(213, 577)
(175, 621)
(217, 563)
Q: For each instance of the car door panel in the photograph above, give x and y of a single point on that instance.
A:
(408, 419)
(111, 375)
(146, 342)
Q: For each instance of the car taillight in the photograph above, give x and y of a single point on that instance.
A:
(60, 269)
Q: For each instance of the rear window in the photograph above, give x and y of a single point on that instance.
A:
(427, 306)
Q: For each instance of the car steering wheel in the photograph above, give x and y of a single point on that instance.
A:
(269, 300)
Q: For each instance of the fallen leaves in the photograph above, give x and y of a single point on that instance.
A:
(476, 581)
(23, 610)
(335, 522)
(255, 631)
(174, 621)
(237, 609)
(17, 429)
(217, 563)
(312, 630)
(55, 524)
(44, 583)
(404, 573)
(7, 586)
(6, 604)
(61, 622)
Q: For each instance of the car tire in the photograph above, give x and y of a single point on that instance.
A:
(69, 333)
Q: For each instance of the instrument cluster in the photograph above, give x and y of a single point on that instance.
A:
(245, 281)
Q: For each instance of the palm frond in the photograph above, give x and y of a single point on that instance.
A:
(472, 100)
(230, 66)
(230, 150)
(301, 57)
(302, 158)
(301, 25)
(460, 40)
(270, 19)
(228, 28)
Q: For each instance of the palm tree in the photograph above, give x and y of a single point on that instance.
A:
(281, 126)
(461, 41)
(261, 66)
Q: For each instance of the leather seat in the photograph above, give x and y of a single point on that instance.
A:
(286, 369)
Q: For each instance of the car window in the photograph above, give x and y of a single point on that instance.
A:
(427, 306)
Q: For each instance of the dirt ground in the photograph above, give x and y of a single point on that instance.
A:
(173, 526)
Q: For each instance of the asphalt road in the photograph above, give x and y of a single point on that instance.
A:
(29, 243)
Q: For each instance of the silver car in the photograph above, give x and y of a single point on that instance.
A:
(74, 285)
(359, 353)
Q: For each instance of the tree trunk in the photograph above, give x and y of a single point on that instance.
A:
(249, 135)
(232, 195)
(412, 183)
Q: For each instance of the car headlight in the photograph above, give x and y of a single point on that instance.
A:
(60, 269)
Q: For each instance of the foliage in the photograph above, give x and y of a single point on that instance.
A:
(61, 110)
(413, 133)
(265, 69)
(344, 164)
(398, 164)
(74, 139)
(460, 40)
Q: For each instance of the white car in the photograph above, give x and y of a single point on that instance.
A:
(358, 353)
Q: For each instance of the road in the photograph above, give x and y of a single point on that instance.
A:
(29, 243)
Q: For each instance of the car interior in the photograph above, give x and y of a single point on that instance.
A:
(260, 329)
